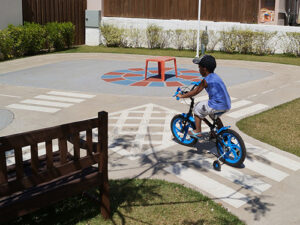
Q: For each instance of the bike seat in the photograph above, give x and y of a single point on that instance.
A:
(216, 115)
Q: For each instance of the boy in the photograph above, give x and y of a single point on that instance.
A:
(219, 100)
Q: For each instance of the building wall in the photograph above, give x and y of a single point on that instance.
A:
(10, 13)
(94, 5)
(92, 35)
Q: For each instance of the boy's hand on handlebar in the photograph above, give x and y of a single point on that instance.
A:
(179, 95)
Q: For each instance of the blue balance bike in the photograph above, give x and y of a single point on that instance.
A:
(230, 146)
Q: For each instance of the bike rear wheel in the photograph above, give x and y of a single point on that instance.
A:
(180, 127)
(234, 147)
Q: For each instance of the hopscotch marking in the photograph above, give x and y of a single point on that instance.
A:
(208, 185)
(247, 111)
(51, 103)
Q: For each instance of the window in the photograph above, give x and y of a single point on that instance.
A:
(268, 4)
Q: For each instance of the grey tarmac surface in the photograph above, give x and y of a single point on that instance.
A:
(266, 191)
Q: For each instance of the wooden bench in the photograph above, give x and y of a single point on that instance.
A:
(29, 185)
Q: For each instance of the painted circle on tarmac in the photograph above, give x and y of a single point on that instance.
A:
(136, 77)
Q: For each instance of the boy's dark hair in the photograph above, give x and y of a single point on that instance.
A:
(207, 61)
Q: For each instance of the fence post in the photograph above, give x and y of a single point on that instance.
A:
(103, 165)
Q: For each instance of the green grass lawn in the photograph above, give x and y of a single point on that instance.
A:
(279, 126)
(284, 59)
(137, 202)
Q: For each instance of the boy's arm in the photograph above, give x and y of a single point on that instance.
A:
(194, 92)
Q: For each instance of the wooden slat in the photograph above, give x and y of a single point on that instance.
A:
(217, 10)
(89, 140)
(3, 168)
(49, 155)
(19, 162)
(76, 146)
(44, 11)
(103, 163)
(63, 150)
(42, 135)
(47, 175)
(34, 158)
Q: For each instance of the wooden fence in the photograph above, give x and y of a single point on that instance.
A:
(245, 11)
(44, 11)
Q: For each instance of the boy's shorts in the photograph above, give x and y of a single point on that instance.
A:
(202, 109)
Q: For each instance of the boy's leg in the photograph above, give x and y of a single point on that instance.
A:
(198, 121)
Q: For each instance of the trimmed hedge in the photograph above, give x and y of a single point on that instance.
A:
(32, 38)
(232, 41)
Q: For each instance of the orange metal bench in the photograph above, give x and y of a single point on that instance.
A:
(161, 60)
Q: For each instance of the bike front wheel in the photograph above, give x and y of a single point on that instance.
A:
(231, 145)
(180, 127)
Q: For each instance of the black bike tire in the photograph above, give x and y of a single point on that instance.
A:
(242, 144)
(176, 139)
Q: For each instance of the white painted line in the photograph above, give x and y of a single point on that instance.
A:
(247, 111)
(234, 175)
(265, 92)
(69, 94)
(140, 111)
(265, 170)
(273, 157)
(214, 188)
(251, 96)
(47, 103)
(27, 155)
(137, 117)
(134, 125)
(199, 99)
(33, 108)
(146, 133)
(240, 103)
(284, 86)
(62, 99)
(10, 96)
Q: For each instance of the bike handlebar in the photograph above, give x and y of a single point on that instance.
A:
(179, 91)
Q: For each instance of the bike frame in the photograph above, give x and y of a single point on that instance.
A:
(217, 123)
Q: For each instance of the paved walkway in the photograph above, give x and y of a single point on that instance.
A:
(48, 90)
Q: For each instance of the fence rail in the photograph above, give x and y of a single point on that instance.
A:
(245, 11)
(44, 11)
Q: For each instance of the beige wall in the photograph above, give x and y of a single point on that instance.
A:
(94, 4)
(10, 13)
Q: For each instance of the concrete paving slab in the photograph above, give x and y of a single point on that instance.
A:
(141, 144)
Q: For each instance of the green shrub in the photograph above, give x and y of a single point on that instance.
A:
(153, 34)
(180, 37)
(135, 38)
(192, 39)
(229, 41)
(55, 37)
(68, 33)
(112, 35)
(6, 44)
(19, 38)
(245, 40)
(35, 38)
(165, 38)
(261, 43)
(292, 45)
(213, 40)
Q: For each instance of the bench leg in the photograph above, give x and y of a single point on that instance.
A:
(159, 68)
(175, 67)
(162, 71)
(146, 69)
